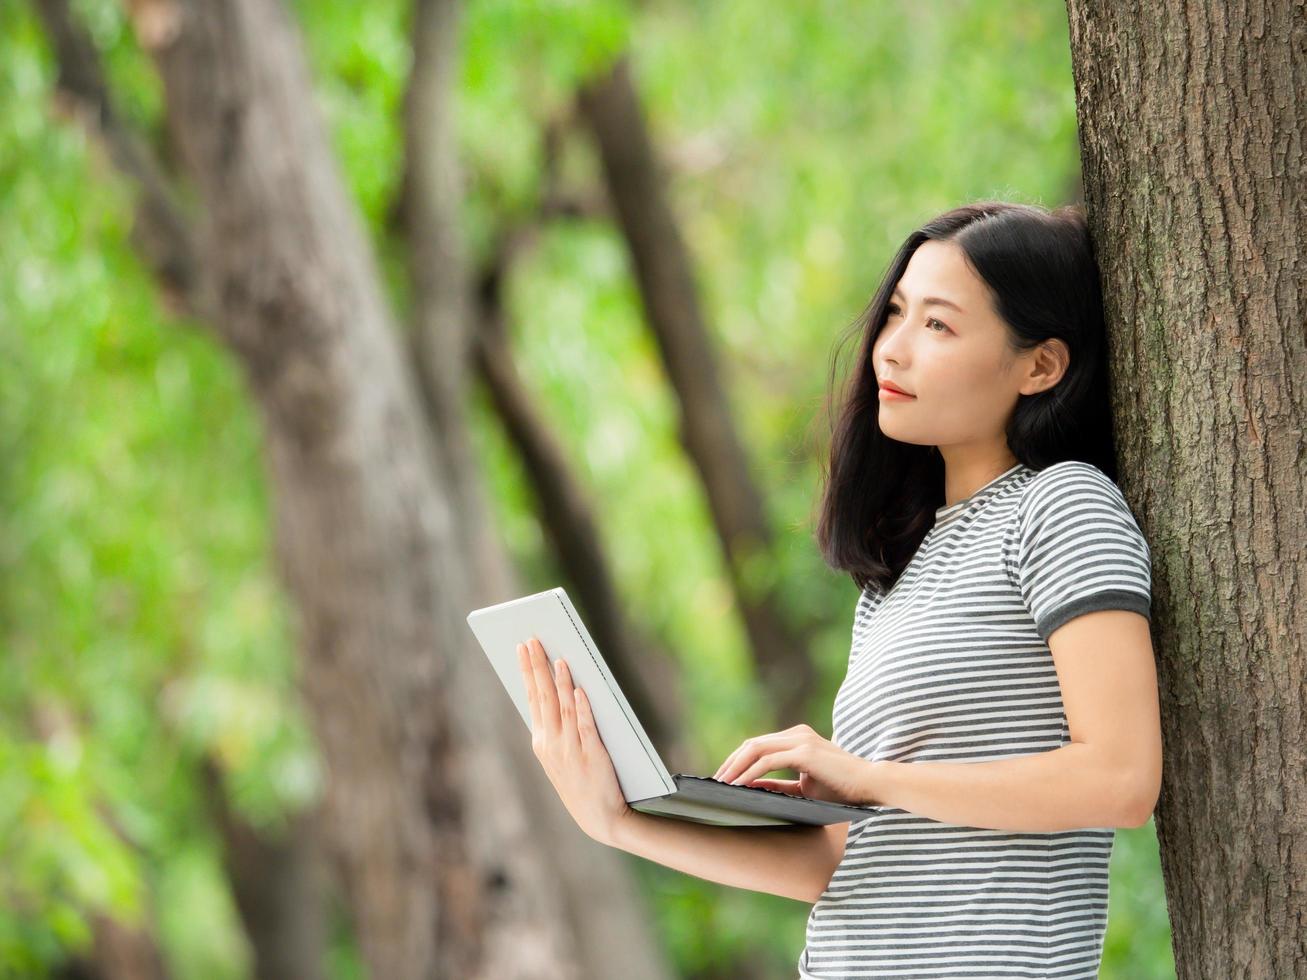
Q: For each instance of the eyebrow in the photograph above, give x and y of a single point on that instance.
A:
(933, 301)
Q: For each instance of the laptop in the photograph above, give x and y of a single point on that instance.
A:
(645, 781)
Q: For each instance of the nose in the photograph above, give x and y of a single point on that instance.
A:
(886, 349)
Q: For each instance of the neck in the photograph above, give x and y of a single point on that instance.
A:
(965, 471)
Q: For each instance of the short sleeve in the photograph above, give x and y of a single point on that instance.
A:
(1079, 547)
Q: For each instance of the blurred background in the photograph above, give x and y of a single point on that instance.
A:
(146, 652)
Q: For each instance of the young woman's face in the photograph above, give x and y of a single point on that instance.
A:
(952, 356)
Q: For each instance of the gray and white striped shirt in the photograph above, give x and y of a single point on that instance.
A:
(953, 664)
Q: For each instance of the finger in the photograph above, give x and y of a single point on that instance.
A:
(735, 759)
(765, 764)
(749, 751)
(567, 708)
(586, 729)
(725, 767)
(546, 689)
(739, 760)
(528, 678)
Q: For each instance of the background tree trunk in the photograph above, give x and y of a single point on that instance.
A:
(1192, 120)
(601, 918)
(276, 883)
(452, 848)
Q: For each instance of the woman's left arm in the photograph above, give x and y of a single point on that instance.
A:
(1109, 775)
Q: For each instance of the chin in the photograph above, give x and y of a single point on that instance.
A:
(889, 433)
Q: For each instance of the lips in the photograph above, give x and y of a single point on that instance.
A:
(889, 387)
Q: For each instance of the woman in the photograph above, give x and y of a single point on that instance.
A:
(1000, 706)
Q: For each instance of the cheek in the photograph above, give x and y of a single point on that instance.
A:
(957, 373)
(961, 396)
(965, 381)
(971, 394)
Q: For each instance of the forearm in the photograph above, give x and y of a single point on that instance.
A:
(792, 861)
(1063, 789)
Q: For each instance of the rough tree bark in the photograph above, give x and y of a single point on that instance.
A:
(1192, 120)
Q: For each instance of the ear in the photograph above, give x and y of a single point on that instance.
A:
(1045, 366)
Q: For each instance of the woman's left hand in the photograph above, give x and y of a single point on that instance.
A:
(566, 740)
(826, 772)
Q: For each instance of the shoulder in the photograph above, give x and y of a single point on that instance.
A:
(1078, 547)
(1065, 484)
(1070, 473)
(1075, 505)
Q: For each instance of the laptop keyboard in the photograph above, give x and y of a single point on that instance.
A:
(755, 789)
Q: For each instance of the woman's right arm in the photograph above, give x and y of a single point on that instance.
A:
(793, 861)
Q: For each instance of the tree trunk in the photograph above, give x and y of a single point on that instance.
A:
(447, 872)
(602, 921)
(1192, 120)
(450, 845)
(276, 884)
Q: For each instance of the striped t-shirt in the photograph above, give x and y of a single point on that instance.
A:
(953, 665)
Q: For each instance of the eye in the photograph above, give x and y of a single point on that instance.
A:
(893, 310)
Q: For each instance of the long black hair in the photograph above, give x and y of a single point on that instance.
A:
(880, 494)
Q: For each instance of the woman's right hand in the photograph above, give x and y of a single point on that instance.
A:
(567, 743)
(807, 785)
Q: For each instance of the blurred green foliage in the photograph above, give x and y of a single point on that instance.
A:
(142, 627)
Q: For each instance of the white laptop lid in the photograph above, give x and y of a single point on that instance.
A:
(551, 617)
